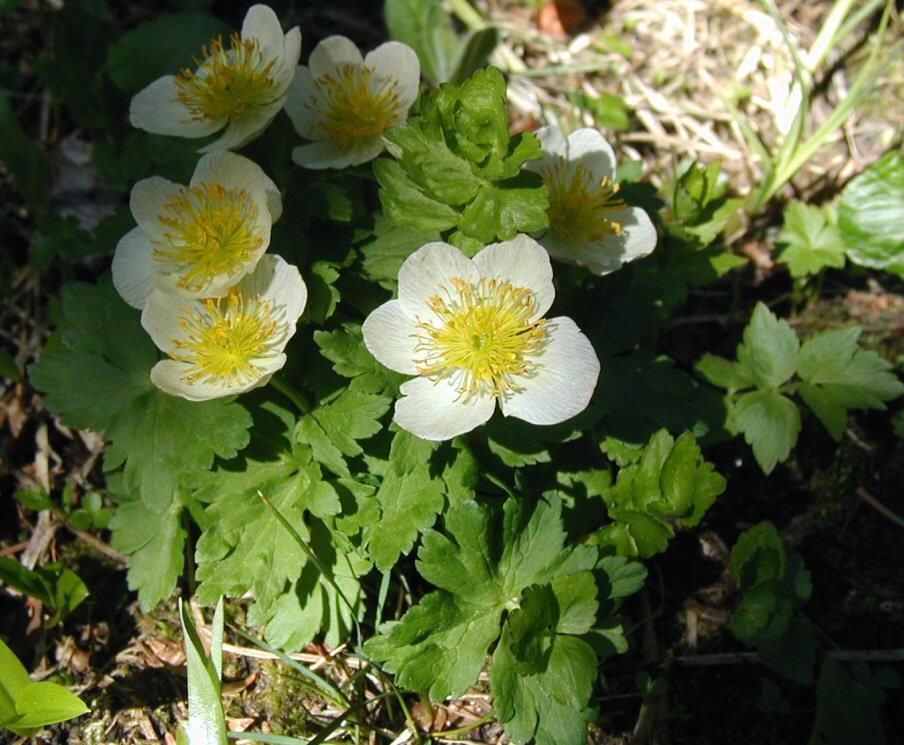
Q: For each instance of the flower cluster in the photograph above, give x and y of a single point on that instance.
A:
(472, 331)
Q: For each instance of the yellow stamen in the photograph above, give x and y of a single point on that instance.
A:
(210, 231)
(354, 106)
(227, 339)
(580, 208)
(228, 82)
(485, 338)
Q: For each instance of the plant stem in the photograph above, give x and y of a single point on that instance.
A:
(468, 15)
(304, 406)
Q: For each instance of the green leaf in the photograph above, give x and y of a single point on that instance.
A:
(811, 238)
(545, 706)
(25, 707)
(441, 644)
(870, 213)
(23, 159)
(332, 431)
(427, 28)
(44, 703)
(839, 376)
(345, 348)
(206, 717)
(385, 247)
(847, 708)
(409, 504)
(770, 423)
(724, 373)
(700, 209)
(244, 546)
(454, 167)
(13, 680)
(769, 350)
(155, 544)
(99, 379)
(57, 587)
(162, 46)
(670, 483)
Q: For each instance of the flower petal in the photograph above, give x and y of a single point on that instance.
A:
(331, 53)
(301, 91)
(157, 109)
(160, 318)
(320, 155)
(562, 381)
(399, 62)
(277, 280)
(436, 411)
(390, 336)
(239, 132)
(134, 268)
(523, 263)
(236, 172)
(169, 376)
(426, 271)
(589, 148)
(640, 233)
(289, 60)
(147, 201)
(553, 142)
(261, 23)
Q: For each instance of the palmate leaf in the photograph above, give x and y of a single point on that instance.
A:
(671, 483)
(811, 239)
(524, 588)
(454, 167)
(98, 378)
(440, 645)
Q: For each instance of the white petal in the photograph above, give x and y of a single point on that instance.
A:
(640, 233)
(160, 318)
(331, 53)
(239, 132)
(168, 376)
(428, 269)
(366, 150)
(589, 148)
(289, 61)
(436, 411)
(320, 155)
(157, 109)
(562, 381)
(399, 62)
(262, 24)
(147, 201)
(134, 268)
(553, 141)
(302, 90)
(390, 336)
(236, 172)
(521, 262)
(279, 281)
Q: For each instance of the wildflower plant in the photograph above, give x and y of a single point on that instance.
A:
(299, 357)
(239, 86)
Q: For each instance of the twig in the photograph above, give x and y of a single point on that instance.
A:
(98, 545)
(879, 507)
(737, 658)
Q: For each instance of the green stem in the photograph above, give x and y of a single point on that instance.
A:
(304, 406)
(468, 15)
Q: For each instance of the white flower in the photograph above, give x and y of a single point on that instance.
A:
(344, 103)
(589, 224)
(473, 331)
(240, 87)
(196, 240)
(227, 345)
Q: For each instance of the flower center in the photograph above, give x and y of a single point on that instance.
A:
(210, 231)
(228, 82)
(579, 208)
(354, 106)
(227, 338)
(485, 339)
